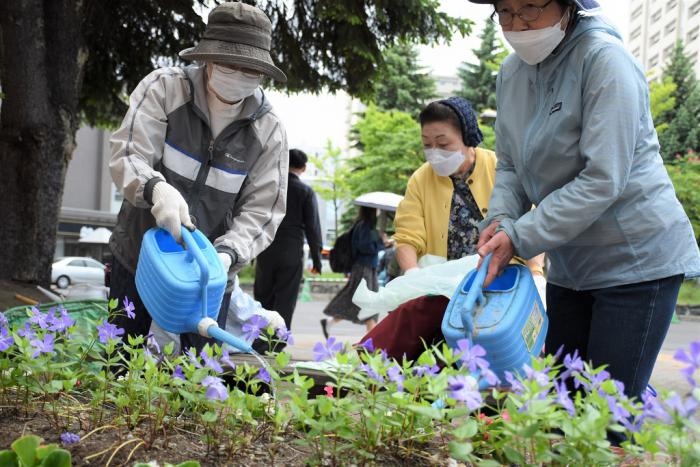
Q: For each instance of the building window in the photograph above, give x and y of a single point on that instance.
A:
(693, 33)
(670, 27)
(671, 5)
(668, 51)
(635, 52)
(637, 12)
(656, 16)
(694, 9)
(635, 34)
(655, 38)
(693, 57)
(653, 61)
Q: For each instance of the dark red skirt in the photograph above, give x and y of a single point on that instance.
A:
(407, 330)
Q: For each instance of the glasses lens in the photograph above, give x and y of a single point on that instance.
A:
(530, 13)
(504, 17)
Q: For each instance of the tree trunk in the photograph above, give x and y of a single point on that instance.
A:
(41, 75)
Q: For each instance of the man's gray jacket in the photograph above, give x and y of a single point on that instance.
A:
(235, 185)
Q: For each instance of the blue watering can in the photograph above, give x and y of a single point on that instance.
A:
(506, 318)
(183, 288)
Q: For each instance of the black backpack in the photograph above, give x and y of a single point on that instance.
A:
(340, 256)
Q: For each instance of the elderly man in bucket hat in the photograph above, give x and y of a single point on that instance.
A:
(201, 146)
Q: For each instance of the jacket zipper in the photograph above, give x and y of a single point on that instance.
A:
(193, 200)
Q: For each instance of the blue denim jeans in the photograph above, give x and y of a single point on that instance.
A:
(622, 327)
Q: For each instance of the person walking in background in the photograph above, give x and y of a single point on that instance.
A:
(366, 245)
(279, 269)
(200, 145)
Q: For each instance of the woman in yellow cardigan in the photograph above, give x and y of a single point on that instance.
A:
(446, 199)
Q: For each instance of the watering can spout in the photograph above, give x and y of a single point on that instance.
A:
(207, 327)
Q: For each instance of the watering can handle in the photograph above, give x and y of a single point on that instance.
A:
(194, 250)
(475, 295)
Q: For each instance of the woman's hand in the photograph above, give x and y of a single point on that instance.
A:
(502, 248)
(487, 234)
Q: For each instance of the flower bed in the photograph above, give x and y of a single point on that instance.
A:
(110, 402)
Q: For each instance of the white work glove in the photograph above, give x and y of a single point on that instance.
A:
(225, 259)
(170, 209)
(274, 318)
(410, 271)
(541, 284)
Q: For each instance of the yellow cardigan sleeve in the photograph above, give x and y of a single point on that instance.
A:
(409, 220)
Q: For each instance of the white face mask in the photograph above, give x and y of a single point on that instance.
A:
(232, 85)
(534, 45)
(444, 163)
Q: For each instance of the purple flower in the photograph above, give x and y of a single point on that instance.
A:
(653, 409)
(285, 335)
(216, 391)
(327, 350)
(62, 322)
(465, 389)
(191, 353)
(27, 332)
(368, 345)
(152, 342)
(684, 408)
(264, 375)
(490, 377)
(252, 328)
(129, 308)
(617, 411)
(540, 377)
(372, 373)
(3, 320)
(6, 339)
(589, 380)
(68, 438)
(210, 362)
(108, 331)
(177, 372)
(515, 384)
(226, 358)
(471, 355)
(563, 398)
(43, 346)
(426, 370)
(395, 375)
(692, 358)
(39, 318)
(572, 363)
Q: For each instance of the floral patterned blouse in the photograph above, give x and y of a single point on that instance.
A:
(463, 231)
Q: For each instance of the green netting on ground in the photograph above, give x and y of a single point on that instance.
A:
(86, 313)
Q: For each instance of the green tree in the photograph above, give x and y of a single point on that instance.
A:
(391, 152)
(61, 60)
(478, 80)
(685, 175)
(661, 101)
(683, 120)
(400, 84)
(332, 178)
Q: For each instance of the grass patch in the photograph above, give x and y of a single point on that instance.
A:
(690, 293)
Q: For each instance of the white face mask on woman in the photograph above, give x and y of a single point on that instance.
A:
(443, 162)
(534, 45)
(232, 85)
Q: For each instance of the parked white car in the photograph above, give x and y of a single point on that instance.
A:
(77, 270)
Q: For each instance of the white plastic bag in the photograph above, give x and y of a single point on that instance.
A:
(438, 279)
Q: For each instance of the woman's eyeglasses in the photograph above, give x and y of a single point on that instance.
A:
(528, 13)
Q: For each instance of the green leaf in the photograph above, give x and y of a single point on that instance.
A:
(113, 303)
(8, 459)
(513, 455)
(44, 451)
(25, 447)
(529, 431)
(57, 458)
(282, 359)
(425, 410)
(209, 417)
(460, 450)
(489, 463)
(168, 349)
(189, 464)
(466, 430)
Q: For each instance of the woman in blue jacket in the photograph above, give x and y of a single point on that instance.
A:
(366, 245)
(575, 137)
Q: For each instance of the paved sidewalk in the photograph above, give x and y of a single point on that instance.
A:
(307, 331)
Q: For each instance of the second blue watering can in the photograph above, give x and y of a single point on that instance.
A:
(182, 289)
